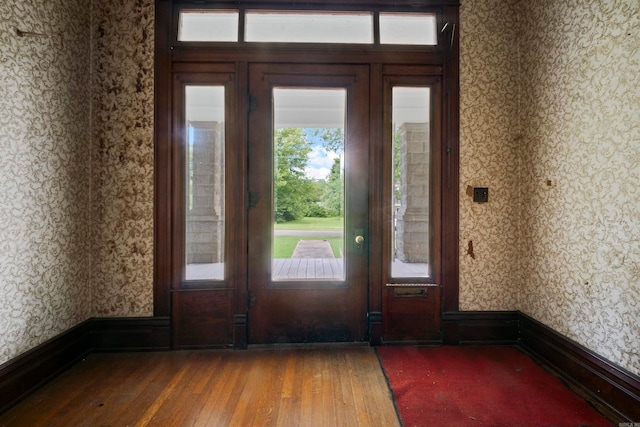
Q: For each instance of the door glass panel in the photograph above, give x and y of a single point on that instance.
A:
(411, 187)
(205, 192)
(408, 29)
(309, 27)
(308, 184)
(208, 26)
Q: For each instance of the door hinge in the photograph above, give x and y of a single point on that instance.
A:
(253, 103)
(252, 199)
(251, 299)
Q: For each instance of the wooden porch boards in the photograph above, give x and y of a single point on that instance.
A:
(308, 268)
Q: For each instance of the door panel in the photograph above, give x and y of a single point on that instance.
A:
(310, 300)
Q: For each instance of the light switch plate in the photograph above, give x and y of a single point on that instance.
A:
(480, 194)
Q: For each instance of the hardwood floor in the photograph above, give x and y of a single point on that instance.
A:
(300, 386)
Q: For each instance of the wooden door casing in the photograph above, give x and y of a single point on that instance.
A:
(192, 315)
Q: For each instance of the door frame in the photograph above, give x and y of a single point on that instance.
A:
(173, 57)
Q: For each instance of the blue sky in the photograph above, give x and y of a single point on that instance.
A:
(320, 160)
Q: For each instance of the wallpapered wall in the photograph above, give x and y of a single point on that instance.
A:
(122, 158)
(489, 154)
(549, 92)
(550, 122)
(44, 171)
(580, 112)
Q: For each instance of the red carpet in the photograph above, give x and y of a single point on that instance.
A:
(480, 386)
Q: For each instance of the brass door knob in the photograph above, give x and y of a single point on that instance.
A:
(359, 239)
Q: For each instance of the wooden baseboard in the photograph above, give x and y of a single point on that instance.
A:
(22, 375)
(130, 334)
(481, 327)
(610, 388)
(613, 390)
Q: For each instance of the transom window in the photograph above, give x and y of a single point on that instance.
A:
(265, 26)
(207, 25)
(309, 27)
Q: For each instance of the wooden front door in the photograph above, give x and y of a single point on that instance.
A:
(318, 292)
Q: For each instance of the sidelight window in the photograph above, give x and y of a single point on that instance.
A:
(411, 184)
(205, 186)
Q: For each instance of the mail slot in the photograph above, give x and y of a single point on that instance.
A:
(410, 292)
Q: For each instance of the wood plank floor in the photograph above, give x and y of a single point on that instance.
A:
(300, 386)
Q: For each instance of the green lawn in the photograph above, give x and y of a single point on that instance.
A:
(284, 245)
(333, 224)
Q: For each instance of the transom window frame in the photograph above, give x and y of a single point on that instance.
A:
(245, 26)
(173, 56)
(424, 7)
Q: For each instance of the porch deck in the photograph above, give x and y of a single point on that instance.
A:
(308, 268)
(304, 269)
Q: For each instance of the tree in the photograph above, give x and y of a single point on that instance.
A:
(332, 139)
(333, 194)
(292, 189)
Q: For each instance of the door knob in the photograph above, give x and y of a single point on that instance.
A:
(359, 239)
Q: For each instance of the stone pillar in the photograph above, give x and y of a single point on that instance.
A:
(205, 210)
(412, 217)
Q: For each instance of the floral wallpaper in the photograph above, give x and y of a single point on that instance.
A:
(76, 166)
(550, 122)
(489, 150)
(44, 171)
(580, 169)
(122, 161)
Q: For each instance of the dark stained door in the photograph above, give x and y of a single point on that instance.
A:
(298, 114)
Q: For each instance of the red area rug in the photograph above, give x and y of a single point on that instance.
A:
(480, 386)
